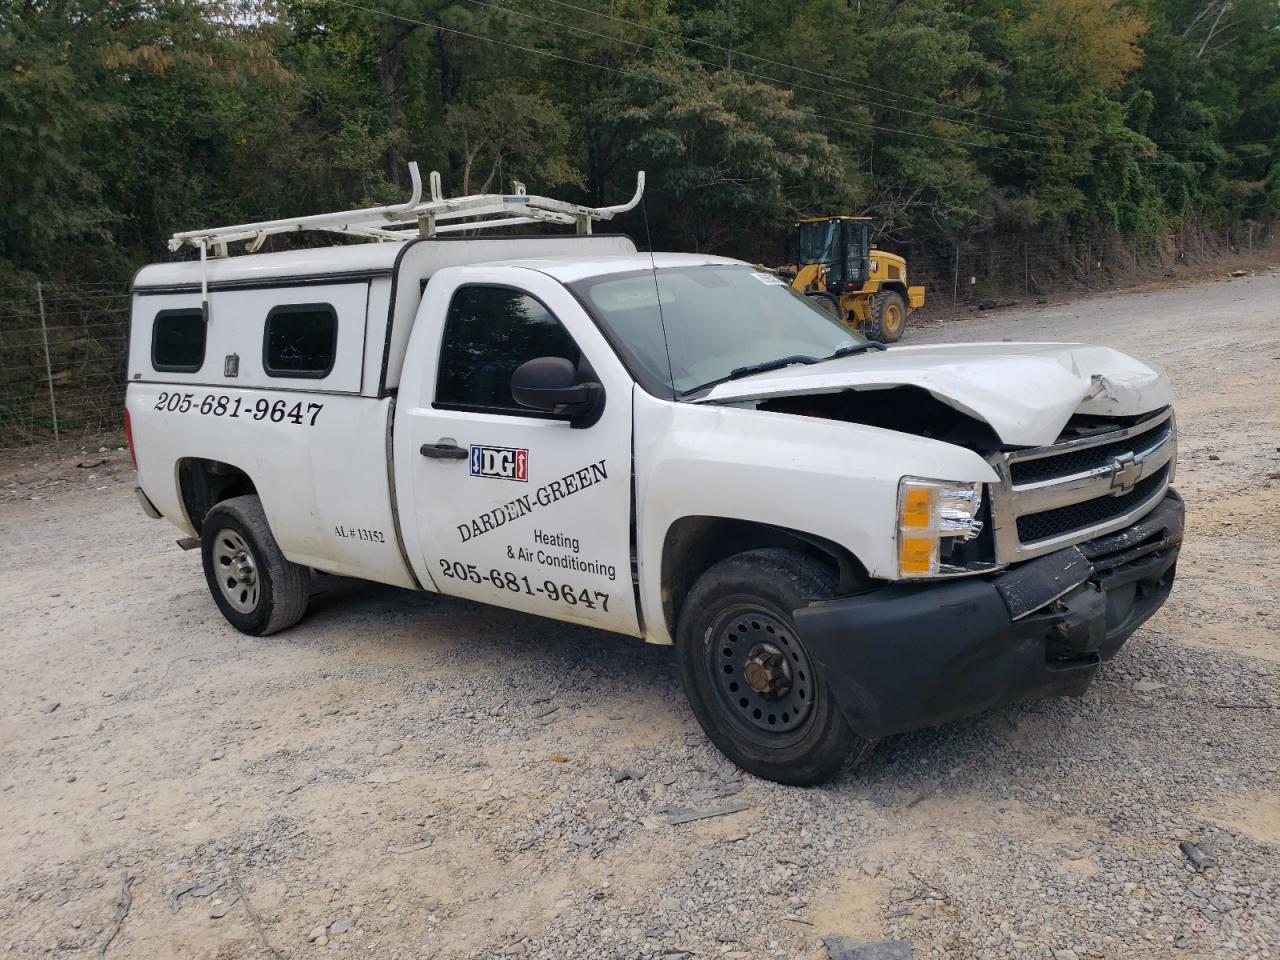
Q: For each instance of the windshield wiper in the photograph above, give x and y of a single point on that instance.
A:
(852, 348)
(778, 364)
(799, 358)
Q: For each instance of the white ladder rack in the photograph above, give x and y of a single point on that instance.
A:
(416, 218)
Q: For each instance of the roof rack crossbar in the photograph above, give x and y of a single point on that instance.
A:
(401, 222)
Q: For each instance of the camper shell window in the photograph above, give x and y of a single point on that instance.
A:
(177, 341)
(300, 340)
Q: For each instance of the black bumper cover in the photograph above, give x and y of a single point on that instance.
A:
(903, 657)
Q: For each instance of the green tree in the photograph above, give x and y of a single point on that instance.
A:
(728, 157)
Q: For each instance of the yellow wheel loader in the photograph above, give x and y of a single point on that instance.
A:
(864, 288)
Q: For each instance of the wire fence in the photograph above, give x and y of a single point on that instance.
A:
(1003, 272)
(62, 346)
(62, 361)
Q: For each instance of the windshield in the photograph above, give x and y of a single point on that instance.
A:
(819, 242)
(718, 320)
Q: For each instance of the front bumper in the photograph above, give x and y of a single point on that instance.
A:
(908, 656)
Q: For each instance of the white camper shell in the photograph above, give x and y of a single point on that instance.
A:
(373, 292)
(842, 541)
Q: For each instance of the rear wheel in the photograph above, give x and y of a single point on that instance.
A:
(748, 676)
(257, 589)
(888, 317)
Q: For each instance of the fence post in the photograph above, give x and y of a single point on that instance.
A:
(955, 280)
(48, 365)
(1026, 270)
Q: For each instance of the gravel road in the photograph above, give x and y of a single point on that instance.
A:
(405, 776)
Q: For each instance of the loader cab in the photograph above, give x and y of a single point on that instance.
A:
(843, 244)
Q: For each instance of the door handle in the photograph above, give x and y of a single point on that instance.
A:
(446, 449)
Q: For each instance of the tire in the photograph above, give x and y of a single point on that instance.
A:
(888, 317)
(257, 589)
(740, 612)
(828, 304)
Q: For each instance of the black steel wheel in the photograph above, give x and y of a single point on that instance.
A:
(765, 677)
(750, 681)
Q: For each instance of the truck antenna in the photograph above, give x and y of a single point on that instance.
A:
(657, 290)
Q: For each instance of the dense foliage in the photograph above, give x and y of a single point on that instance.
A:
(124, 120)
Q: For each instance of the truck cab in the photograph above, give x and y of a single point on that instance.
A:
(841, 541)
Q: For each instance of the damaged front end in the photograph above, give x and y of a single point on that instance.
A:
(902, 657)
(1069, 547)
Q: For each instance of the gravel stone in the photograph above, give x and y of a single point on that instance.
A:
(1199, 858)
(847, 948)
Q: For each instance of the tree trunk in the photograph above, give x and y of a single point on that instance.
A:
(448, 72)
(449, 81)
(389, 81)
(602, 158)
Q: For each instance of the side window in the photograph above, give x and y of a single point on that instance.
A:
(300, 340)
(177, 341)
(489, 332)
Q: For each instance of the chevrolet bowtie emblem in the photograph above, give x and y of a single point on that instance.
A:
(1125, 472)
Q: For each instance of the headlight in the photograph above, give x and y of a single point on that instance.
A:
(929, 512)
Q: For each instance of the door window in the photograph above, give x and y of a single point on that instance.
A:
(856, 249)
(489, 332)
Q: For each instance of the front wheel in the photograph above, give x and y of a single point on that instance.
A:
(888, 317)
(749, 679)
(827, 303)
(255, 586)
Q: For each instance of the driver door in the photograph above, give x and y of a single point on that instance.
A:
(518, 507)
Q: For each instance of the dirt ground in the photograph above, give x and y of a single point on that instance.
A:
(409, 776)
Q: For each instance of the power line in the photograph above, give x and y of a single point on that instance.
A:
(927, 136)
(756, 76)
(678, 86)
(476, 36)
(792, 66)
(660, 80)
(825, 76)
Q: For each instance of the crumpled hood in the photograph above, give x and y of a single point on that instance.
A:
(1026, 392)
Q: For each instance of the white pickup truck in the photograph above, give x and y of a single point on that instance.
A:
(842, 541)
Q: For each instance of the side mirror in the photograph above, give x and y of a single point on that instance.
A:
(551, 384)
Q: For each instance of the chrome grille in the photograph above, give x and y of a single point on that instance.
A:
(1054, 496)
(1090, 513)
(1090, 458)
